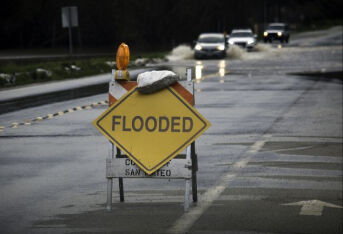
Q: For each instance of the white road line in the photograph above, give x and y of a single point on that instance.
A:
(312, 207)
(186, 221)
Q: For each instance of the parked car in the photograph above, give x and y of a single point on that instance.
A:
(210, 45)
(276, 31)
(243, 38)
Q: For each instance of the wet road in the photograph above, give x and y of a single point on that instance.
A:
(270, 163)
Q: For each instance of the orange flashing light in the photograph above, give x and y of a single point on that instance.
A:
(123, 56)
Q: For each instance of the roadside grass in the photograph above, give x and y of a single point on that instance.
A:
(23, 72)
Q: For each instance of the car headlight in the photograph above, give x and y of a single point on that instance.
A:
(198, 47)
(221, 47)
(279, 34)
(250, 42)
(265, 34)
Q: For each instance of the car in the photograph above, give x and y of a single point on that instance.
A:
(243, 37)
(210, 45)
(276, 31)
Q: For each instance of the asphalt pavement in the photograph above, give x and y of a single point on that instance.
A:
(270, 163)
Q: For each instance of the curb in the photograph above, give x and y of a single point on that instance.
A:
(32, 100)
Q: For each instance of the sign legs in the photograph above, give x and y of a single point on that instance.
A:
(120, 180)
(187, 190)
(194, 173)
(121, 189)
(109, 180)
(191, 164)
(109, 194)
(187, 180)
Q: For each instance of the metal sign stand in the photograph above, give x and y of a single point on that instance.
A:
(183, 167)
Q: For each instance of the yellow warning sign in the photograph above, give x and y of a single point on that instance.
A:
(151, 129)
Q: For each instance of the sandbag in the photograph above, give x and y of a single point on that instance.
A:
(153, 81)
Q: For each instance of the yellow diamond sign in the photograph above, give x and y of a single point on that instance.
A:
(151, 129)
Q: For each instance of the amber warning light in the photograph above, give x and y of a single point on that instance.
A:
(122, 61)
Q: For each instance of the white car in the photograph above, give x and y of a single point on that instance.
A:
(210, 45)
(243, 38)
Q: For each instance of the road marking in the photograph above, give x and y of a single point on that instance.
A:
(312, 207)
(212, 75)
(293, 148)
(14, 125)
(186, 221)
(60, 113)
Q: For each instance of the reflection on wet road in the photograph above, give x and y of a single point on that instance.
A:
(220, 69)
(198, 70)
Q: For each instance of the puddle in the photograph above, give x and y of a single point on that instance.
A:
(327, 76)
